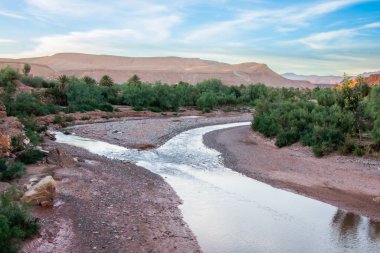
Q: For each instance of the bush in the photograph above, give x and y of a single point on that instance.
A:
(287, 138)
(11, 171)
(30, 156)
(85, 118)
(207, 101)
(138, 108)
(155, 109)
(16, 224)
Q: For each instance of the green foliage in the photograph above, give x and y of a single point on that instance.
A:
(27, 104)
(30, 156)
(9, 171)
(16, 224)
(330, 124)
(207, 101)
(138, 108)
(89, 80)
(106, 81)
(7, 75)
(26, 69)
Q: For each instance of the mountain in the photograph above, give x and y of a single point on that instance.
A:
(323, 80)
(151, 69)
(367, 74)
(373, 79)
(314, 79)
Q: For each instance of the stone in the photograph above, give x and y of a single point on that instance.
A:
(377, 200)
(59, 157)
(41, 193)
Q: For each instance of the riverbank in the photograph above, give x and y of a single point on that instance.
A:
(147, 133)
(105, 205)
(349, 183)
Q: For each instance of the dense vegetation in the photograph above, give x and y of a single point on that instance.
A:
(344, 118)
(15, 223)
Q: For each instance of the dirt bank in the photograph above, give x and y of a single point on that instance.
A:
(346, 182)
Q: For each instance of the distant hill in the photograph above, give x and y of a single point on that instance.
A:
(323, 80)
(315, 79)
(166, 69)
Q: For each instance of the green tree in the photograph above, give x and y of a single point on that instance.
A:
(26, 69)
(135, 79)
(106, 81)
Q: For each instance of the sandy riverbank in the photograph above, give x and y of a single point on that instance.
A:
(349, 183)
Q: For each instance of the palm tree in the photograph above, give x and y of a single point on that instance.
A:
(63, 80)
(106, 81)
(135, 79)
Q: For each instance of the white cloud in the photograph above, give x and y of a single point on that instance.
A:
(372, 25)
(7, 41)
(147, 32)
(11, 15)
(334, 39)
(289, 19)
(326, 39)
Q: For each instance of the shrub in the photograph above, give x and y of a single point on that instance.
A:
(138, 108)
(207, 101)
(287, 138)
(359, 151)
(11, 171)
(155, 109)
(16, 224)
(30, 156)
(57, 119)
(85, 118)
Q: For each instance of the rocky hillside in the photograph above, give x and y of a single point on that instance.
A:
(166, 69)
(373, 79)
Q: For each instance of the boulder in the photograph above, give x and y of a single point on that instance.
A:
(41, 193)
(60, 157)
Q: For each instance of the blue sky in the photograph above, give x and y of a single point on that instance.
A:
(306, 37)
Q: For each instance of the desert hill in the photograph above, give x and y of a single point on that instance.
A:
(165, 69)
(315, 79)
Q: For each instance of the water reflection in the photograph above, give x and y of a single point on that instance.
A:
(229, 212)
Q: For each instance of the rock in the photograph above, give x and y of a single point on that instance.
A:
(59, 157)
(377, 200)
(50, 136)
(41, 193)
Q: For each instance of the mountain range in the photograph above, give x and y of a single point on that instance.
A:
(166, 69)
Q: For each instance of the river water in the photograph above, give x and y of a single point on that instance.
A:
(229, 212)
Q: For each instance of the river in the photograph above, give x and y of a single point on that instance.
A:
(229, 212)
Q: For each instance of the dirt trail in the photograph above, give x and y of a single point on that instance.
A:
(349, 183)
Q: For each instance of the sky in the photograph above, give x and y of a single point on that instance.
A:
(303, 37)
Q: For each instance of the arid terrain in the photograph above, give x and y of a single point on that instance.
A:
(166, 69)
